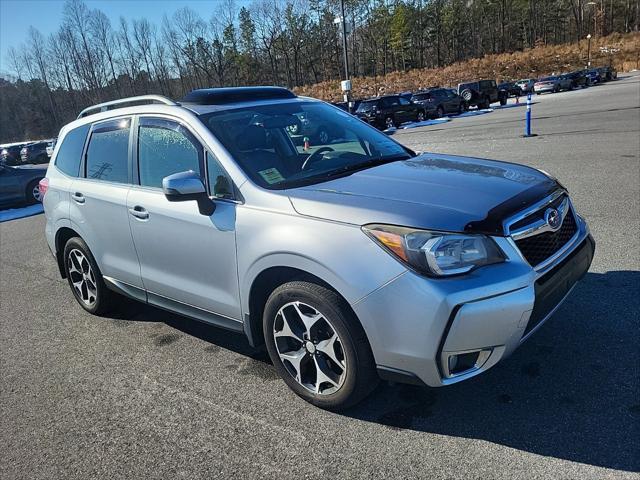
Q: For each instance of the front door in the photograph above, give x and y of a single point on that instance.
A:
(185, 256)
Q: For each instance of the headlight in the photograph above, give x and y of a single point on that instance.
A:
(436, 253)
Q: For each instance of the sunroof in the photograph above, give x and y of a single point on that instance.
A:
(221, 96)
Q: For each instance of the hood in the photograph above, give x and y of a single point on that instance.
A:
(431, 191)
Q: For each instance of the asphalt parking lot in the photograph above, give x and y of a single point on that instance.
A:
(148, 394)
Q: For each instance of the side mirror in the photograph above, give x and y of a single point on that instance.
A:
(185, 186)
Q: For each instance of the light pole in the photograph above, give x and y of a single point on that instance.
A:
(346, 83)
(344, 41)
(589, 50)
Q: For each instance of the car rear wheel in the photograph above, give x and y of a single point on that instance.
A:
(439, 112)
(85, 279)
(32, 193)
(421, 116)
(389, 123)
(317, 345)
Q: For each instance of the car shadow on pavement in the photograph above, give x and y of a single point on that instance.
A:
(132, 310)
(570, 392)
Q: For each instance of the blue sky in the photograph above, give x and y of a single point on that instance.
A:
(46, 15)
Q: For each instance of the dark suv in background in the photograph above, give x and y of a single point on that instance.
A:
(482, 93)
(35, 153)
(390, 111)
(11, 155)
(578, 79)
(439, 101)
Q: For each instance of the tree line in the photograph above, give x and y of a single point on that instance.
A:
(89, 59)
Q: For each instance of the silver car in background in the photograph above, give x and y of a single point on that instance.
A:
(350, 260)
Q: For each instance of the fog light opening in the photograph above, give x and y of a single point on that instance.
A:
(464, 362)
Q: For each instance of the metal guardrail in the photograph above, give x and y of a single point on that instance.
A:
(142, 99)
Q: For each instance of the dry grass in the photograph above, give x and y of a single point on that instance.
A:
(534, 62)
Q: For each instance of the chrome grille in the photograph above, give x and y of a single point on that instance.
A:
(538, 248)
(535, 237)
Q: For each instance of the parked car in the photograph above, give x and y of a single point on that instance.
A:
(351, 262)
(608, 73)
(481, 93)
(552, 84)
(526, 84)
(578, 79)
(312, 128)
(512, 89)
(389, 111)
(20, 184)
(345, 106)
(10, 155)
(50, 146)
(439, 101)
(34, 153)
(594, 76)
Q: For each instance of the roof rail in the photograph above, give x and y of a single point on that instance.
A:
(103, 107)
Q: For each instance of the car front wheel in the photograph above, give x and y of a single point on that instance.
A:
(317, 345)
(389, 123)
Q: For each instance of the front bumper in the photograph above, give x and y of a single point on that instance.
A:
(417, 326)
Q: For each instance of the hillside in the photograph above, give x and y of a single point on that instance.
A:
(535, 62)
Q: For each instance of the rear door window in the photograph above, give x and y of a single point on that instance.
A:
(108, 151)
(69, 154)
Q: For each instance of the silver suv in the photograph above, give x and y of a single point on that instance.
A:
(351, 261)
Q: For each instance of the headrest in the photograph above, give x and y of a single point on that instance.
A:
(253, 137)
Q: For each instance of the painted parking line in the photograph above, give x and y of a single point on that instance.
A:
(15, 213)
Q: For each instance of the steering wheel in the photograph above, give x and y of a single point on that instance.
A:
(315, 156)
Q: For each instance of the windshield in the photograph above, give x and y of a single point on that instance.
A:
(367, 105)
(285, 145)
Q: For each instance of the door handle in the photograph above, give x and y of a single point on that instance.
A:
(77, 197)
(139, 212)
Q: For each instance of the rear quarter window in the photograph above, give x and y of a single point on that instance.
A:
(70, 151)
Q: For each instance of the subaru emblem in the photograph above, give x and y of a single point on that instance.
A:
(553, 218)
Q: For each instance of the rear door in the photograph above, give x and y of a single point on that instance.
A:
(185, 257)
(408, 109)
(98, 200)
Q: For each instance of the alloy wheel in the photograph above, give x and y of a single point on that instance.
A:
(309, 348)
(37, 196)
(82, 277)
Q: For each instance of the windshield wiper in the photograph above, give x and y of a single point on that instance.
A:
(356, 167)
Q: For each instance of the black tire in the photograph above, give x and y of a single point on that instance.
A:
(103, 296)
(466, 94)
(439, 112)
(389, 122)
(30, 194)
(503, 101)
(360, 375)
(421, 116)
